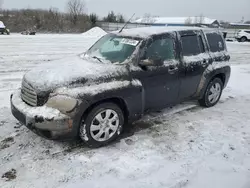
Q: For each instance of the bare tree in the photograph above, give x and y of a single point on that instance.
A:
(93, 19)
(76, 9)
(147, 18)
(201, 19)
(120, 18)
(188, 21)
(195, 20)
(242, 19)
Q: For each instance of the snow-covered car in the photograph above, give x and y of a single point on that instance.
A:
(28, 32)
(243, 35)
(3, 29)
(120, 78)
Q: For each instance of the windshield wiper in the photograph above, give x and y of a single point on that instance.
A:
(97, 58)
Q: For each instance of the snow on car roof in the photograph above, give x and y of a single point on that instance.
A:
(144, 32)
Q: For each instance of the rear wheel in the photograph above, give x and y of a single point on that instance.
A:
(243, 39)
(102, 125)
(212, 94)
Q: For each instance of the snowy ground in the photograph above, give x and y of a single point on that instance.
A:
(186, 146)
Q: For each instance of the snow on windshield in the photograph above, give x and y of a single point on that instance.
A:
(113, 48)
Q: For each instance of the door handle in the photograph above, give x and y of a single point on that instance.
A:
(172, 69)
(204, 63)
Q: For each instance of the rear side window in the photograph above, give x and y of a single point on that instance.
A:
(216, 42)
(192, 45)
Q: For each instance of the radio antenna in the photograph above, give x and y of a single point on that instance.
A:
(126, 23)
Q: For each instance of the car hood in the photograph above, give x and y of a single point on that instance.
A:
(72, 70)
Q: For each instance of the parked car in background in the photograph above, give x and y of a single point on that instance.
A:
(28, 32)
(3, 29)
(120, 78)
(243, 35)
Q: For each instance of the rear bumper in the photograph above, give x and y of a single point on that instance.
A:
(44, 121)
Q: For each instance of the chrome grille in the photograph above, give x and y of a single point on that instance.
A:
(28, 94)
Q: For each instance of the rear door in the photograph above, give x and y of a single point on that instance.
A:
(160, 83)
(195, 58)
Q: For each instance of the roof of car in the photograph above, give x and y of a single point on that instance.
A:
(144, 32)
(2, 24)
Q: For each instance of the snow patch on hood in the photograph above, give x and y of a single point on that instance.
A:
(95, 89)
(67, 71)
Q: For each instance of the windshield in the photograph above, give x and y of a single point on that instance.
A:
(113, 48)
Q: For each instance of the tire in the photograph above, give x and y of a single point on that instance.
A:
(243, 39)
(7, 32)
(211, 98)
(95, 129)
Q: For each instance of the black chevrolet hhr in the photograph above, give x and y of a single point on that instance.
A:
(121, 77)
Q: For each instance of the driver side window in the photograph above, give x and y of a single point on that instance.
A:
(161, 48)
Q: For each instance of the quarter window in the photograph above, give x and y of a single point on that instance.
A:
(162, 48)
(216, 42)
(192, 45)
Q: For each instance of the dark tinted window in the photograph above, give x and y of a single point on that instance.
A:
(163, 48)
(216, 42)
(191, 45)
(247, 31)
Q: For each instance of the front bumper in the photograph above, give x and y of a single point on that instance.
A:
(44, 121)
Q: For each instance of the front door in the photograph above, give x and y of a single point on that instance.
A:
(160, 83)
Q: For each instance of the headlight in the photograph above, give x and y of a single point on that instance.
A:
(64, 104)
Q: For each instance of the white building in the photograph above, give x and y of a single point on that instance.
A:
(178, 21)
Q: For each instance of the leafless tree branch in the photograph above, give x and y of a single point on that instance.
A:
(76, 9)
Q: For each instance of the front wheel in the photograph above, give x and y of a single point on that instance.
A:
(102, 125)
(212, 94)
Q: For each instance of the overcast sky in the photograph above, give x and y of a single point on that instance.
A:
(229, 10)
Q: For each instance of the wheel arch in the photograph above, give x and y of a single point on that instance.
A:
(243, 37)
(207, 79)
(116, 100)
(222, 76)
(85, 107)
